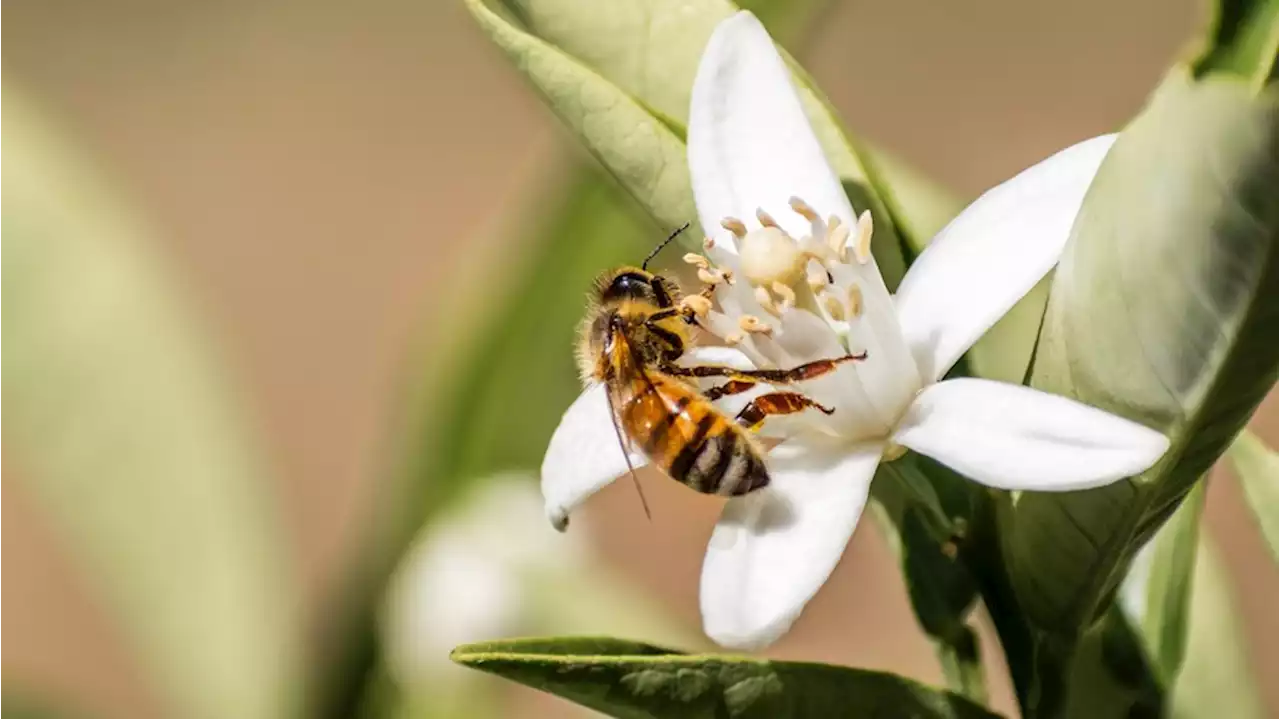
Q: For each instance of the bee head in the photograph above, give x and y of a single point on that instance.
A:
(638, 286)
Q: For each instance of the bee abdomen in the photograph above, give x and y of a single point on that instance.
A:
(719, 461)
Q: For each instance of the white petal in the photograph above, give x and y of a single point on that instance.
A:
(725, 356)
(1014, 437)
(774, 548)
(584, 456)
(991, 255)
(750, 144)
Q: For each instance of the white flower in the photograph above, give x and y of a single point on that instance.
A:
(464, 582)
(758, 171)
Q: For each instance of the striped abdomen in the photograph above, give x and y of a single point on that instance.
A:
(692, 441)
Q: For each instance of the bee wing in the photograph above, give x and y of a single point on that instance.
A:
(626, 448)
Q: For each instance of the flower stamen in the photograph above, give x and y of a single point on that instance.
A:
(698, 261)
(734, 225)
(766, 301)
(862, 243)
(698, 304)
(803, 209)
(834, 308)
(785, 294)
(766, 220)
(819, 279)
(752, 324)
(855, 301)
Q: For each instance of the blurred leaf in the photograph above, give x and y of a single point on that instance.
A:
(1256, 466)
(1242, 40)
(1167, 619)
(1216, 679)
(1163, 310)
(129, 436)
(630, 679)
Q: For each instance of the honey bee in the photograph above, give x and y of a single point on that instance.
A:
(635, 329)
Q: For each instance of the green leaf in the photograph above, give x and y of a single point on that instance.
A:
(1163, 309)
(642, 151)
(1256, 467)
(129, 439)
(1216, 679)
(1242, 41)
(620, 78)
(629, 679)
(1168, 615)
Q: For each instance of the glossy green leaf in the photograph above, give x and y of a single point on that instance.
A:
(128, 437)
(1242, 40)
(1256, 467)
(601, 67)
(644, 152)
(629, 679)
(1163, 309)
(1167, 619)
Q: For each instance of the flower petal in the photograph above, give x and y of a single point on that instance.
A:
(584, 456)
(774, 548)
(991, 255)
(750, 144)
(1013, 437)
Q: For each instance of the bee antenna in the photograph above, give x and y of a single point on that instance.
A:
(645, 265)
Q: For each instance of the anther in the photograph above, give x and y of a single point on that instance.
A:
(698, 260)
(818, 279)
(862, 244)
(751, 323)
(733, 338)
(698, 304)
(785, 294)
(803, 209)
(708, 243)
(735, 226)
(712, 277)
(766, 301)
(834, 308)
(855, 301)
(837, 238)
(766, 220)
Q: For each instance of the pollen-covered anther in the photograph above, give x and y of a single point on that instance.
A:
(752, 324)
(834, 308)
(697, 304)
(697, 260)
(733, 338)
(803, 209)
(711, 276)
(765, 219)
(862, 242)
(838, 238)
(818, 279)
(785, 294)
(855, 301)
(734, 225)
(765, 300)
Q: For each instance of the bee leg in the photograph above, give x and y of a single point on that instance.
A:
(808, 370)
(733, 386)
(776, 403)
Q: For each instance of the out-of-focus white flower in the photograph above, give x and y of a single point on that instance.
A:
(808, 288)
(470, 577)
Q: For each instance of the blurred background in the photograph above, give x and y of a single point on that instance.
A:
(326, 180)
